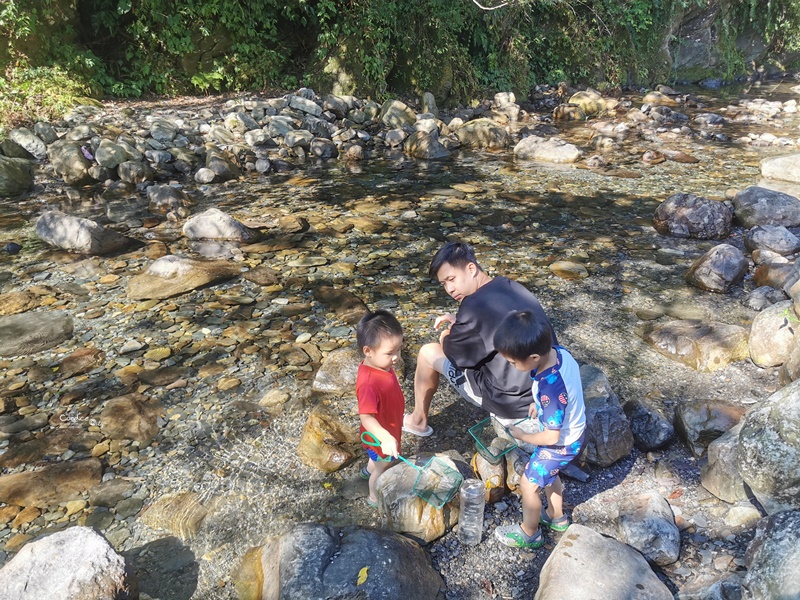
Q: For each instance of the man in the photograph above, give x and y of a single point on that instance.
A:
(465, 353)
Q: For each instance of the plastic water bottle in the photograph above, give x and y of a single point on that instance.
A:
(470, 516)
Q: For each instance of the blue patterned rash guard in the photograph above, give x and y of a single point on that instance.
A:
(558, 394)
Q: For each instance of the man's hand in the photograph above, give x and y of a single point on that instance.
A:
(445, 318)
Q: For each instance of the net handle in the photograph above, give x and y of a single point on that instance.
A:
(367, 436)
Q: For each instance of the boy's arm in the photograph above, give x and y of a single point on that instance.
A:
(386, 439)
(548, 437)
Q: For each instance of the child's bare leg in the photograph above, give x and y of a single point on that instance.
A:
(531, 506)
(376, 470)
(555, 499)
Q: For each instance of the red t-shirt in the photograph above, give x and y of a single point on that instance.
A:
(379, 394)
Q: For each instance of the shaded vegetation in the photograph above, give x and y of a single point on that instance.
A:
(366, 47)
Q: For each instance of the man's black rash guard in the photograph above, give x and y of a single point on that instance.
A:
(505, 391)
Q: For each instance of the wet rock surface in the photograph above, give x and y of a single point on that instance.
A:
(232, 359)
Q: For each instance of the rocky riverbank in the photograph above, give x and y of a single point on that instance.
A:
(167, 384)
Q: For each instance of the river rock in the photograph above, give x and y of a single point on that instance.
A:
(14, 303)
(689, 216)
(240, 122)
(68, 160)
(785, 168)
(700, 422)
(718, 269)
(762, 297)
(771, 559)
(646, 523)
(109, 154)
(317, 561)
(172, 275)
(79, 235)
(299, 138)
(213, 224)
(482, 133)
(394, 114)
(774, 275)
(703, 346)
(165, 198)
(345, 305)
(760, 206)
(337, 374)
(649, 427)
(111, 492)
(608, 433)
(163, 130)
(326, 443)
(181, 514)
(772, 334)
(222, 164)
(594, 567)
(323, 148)
(93, 572)
(50, 485)
(50, 445)
(546, 150)
(720, 475)
(29, 333)
(305, 105)
(30, 141)
(406, 512)
(769, 450)
(425, 146)
(428, 103)
(81, 361)
(16, 176)
(135, 171)
(592, 103)
(131, 417)
(775, 238)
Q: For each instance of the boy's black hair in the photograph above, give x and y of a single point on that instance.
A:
(520, 335)
(457, 254)
(375, 327)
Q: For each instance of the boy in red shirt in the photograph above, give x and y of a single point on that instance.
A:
(380, 400)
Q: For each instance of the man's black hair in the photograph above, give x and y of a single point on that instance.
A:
(375, 327)
(457, 254)
(520, 334)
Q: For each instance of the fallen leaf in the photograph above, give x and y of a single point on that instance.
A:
(362, 576)
(327, 485)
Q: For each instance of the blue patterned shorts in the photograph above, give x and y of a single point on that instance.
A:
(547, 461)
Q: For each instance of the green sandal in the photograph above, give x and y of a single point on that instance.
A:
(512, 535)
(559, 524)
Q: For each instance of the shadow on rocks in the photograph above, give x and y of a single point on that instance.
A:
(165, 568)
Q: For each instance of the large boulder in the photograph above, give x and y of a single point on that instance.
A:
(646, 523)
(588, 566)
(172, 276)
(79, 235)
(482, 133)
(222, 164)
(213, 224)
(110, 154)
(69, 161)
(769, 450)
(30, 141)
(546, 150)
(326, 443)
(703, 346)
(718, 269)
(689, 216)
(785, 168)
(74, 564)
(608, 433)
(405, 511)
(317, 561)
(592, 103)
(772, 334)
(771, 559)
(162, 199)
(700, 422)
(760, 206)
(720, 475)
(16, 176)
(28, 333)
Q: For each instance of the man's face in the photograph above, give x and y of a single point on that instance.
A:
(458, 282)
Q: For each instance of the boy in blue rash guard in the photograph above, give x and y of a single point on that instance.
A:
(526, 343)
